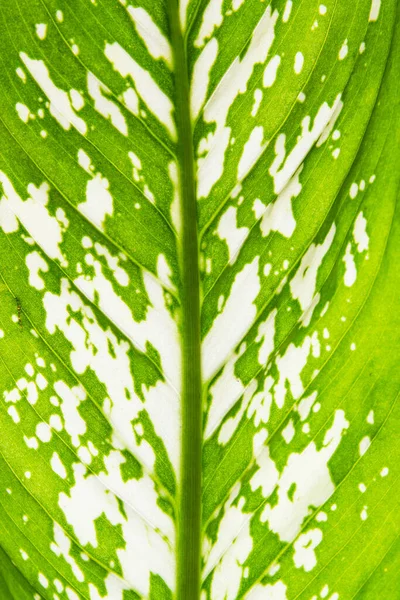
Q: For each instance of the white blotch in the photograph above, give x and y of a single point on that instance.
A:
(212, 18)
(60, 16)
(265, 335)
(23, 112)
(12, 411)
(304, 282)
(57, 466)
(229, 232)
(258, 95)
(287, 11)
(201, 77)
(298, 63)
(60, 103)
(240, 309)
(288, 432)
(76, 99)
(252, 151)
(374, 12)
(360, 234)
(371, 417)
(270, 591)
(364, 445)
(350, 274)
(155, 99)
(98, 91)
(343, 50)
(21, 74)
(99, 202)
(41, 30)
(214, 146)
(43, 580)
(131, 100)
(62, 547)
(305, 406)
(84, 161)
(36, 263)
(34, 215)
(304, 549)
(270, 71)
(155, 41)
(176, 216)
(353, 190)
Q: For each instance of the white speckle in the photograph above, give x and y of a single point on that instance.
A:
(270, 71)
(41, 30)
(60, 16)
(350, 274)
(370, 417)
(364, 445)
(24, 554)
(301, 97)
(374, 12)
(362, 487)
(336, 153)
(23, 112)
(353, 190)
(21, 74)
(43, 133)
(298, 63)
(28, 474)
(343, 50)
(155, 41)
(304, 549)
(352, 346)
(336, 135)
(362, 48)
(201, 77)
(287, 11)
(321, 517)
(43, 580)
(384, 472)
(325, 591)
(322, 9)
(334, 507)
(364, 514)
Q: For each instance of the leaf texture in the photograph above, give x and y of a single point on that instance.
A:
(199, 328)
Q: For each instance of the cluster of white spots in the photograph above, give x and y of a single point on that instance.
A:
(229, 570)
(212, 18)
(41, 30)
(278, 215)
(287, 11)
(229, 232)
(201, 77)
(230, 425)
(210, 167)
(304, 281)
(360, 234)
(330, 125)
(240, 309)
(364, 445)
(36, 263)
(62, 547)
(344, 49)
(291, 364)
(60, 103)
(155, 99)
(155, 41)
(284, 167)
(99, 350)
(113, 262)
(144, 550)
(46, 230)
(308, 473)
(304, 549)
(350, 274)
(260, 405)
(258, 95)
(270, 71)
(374, 12)
(104, 105)
(252, 151)
(298, 63)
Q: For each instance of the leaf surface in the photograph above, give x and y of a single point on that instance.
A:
(199, 333)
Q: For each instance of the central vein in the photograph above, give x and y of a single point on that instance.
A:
(189, 517)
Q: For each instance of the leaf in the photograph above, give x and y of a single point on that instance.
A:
(199, 285)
